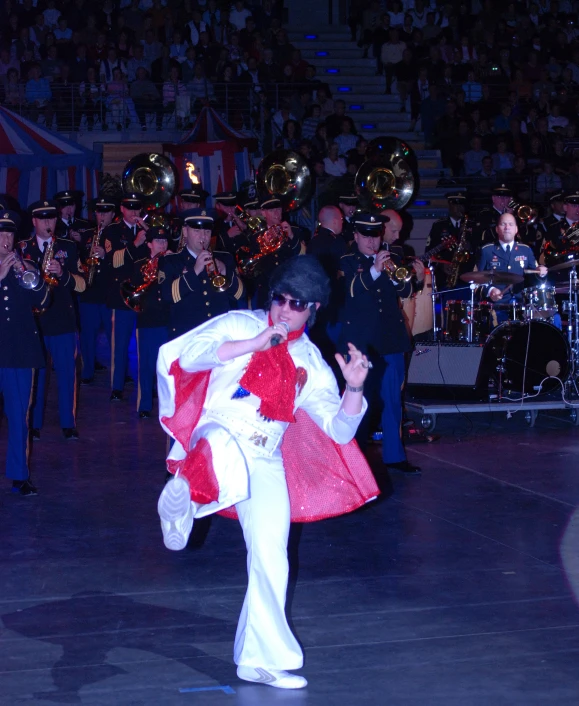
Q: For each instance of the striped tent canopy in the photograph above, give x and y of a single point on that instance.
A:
(35, 163)
(219, 154)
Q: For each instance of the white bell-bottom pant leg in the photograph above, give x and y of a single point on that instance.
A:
(264, 638)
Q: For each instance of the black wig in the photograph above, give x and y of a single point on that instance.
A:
(302, 277)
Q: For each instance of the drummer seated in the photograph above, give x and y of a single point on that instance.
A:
(512, 257)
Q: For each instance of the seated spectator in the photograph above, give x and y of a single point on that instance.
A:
(212, 16)
(291, 137)
(24, 43)
(561, 160)
(396, 14)
(146, 98)
(547, 182)
(137, 61)
(335, 120)
(503, 160)
(123, 45)
(91, 99)
(173, 89)
(12, 91)
(320, 141)
(51, 14)
(248, 34)
(521, 86)
(431, 109)
(380, 37)
(310, 124)
(238, 14)
(472, 88)
(65, 99)
(556, 121)
(63, 36)
(39, 30)
(50, 67)
(357, 156)
(472, 160)
(111, 62)
(487, 170)
(536, 153)
(445, 48)
(419, 90)
(8, 62)
(223, 32)
(268, 70)
(519, 177)
(38, 96)
(119, 105)
(195, 27)
(346, 140)
(324, 98)
(161, 67)
(501, 123)
(152, 49)
(334, 165)
(178, 48)
(200, 89)
(188, 66)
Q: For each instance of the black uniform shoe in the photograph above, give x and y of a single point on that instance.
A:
(408, 468)
(144, 415)
(99, 367)
(36, 435)
(86, 381)
(70, 434)
(116, 395)
(24, 487)
(129, 380)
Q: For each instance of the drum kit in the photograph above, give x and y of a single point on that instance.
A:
(531, 345)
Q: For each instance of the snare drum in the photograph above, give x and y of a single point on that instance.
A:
(539, 302)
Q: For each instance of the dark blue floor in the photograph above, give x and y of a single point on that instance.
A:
(449, 591)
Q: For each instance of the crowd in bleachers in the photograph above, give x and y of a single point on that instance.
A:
(492, 85)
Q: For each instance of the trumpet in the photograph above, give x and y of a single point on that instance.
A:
(218, 281)
(397, 273)
(27, 278)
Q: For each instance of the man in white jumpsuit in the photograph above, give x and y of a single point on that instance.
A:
(228, 391)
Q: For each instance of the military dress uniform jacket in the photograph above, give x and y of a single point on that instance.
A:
(328, 248)
(121, 255)
(371, 315)
(348, 230)
(21, 343)
(227, 244)
(192, 298)
(520, 258)
(97, 292)
(550, 221)
(60, 317)
(62, 230)
(155, 309)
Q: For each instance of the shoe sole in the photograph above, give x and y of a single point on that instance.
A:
(174, 505)
(268, 679)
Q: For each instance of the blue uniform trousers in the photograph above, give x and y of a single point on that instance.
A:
(123, 324)
(92, 317)
(16, 387)
(391, 394)
(149, 340)
(62, 351)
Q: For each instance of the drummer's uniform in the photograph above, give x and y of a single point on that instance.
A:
(485, 230)
(513, 258)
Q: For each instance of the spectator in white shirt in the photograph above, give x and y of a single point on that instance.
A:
(391, 55)
(418, 14)
(557, 122)
(239, 13)
(396, 14)
(178, 48)
(51, 14)
(334, 165)
(548, 182)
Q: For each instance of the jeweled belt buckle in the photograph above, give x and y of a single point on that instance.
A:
(258, 439)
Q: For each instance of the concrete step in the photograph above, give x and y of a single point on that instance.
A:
(346, 67)
(366, 82)
(432, 163)
(333, 51)
(375, 107)
(436, 173)
(426, 212)
(320, 36)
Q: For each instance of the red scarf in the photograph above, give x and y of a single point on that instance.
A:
(271, 376)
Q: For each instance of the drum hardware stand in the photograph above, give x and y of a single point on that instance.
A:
(436, 330)
(470, 331)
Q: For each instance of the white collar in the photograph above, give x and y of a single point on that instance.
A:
(191, 252)
(505, 245)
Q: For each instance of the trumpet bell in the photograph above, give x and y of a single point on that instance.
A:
(132, 296)
(285, 175)
(524, 212)
(385, 183)
(152, 176)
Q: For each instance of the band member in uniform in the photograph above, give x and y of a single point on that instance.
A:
(447, 228)
(20, 352)
(229, 229)
(153, 319)
(250, 394)
(94, 312)
(68, 225)
(348, 205)
(187, 277)
(557, 204)
(372, 319)
(484, 230)
(194, 197)
(557, 229)
(506, 255)
(58, 324)
(125, 243)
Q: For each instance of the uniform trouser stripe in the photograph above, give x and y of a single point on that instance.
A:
(16, 387)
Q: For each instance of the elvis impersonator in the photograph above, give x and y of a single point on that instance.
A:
(261, 434)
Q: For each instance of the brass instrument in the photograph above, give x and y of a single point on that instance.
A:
(218, 281)
(397, 273)
(389, 177)
(524, 212)
(461, 255)
(92, 260)
(50, 279)
(284, 175)
(153, 177)
(255, 224)
(268, 241)
(27, 278)
(133, 295)
(570, 239)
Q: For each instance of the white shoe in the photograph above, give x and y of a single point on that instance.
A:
(271, 677)
(176, 512)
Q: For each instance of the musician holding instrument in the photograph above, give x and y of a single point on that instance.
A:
(484, 229)
(373, 282)
(59, 262)
(449, 229)
(348, 203)
(93, 309)
(197, 283)
(152, 316)
(21, 350)
(68, 225)
(507, 255)
(229, 228)
(125, 243)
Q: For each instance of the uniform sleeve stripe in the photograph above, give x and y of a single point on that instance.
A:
(352, 287)
(80, 284)
(119, 258)
(239, 292)
(175, 291)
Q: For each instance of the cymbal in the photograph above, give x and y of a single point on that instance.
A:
(491, 277)
(564, 265)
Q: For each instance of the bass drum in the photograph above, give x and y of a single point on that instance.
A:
(532, 351)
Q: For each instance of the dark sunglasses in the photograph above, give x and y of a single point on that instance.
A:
(294, 304)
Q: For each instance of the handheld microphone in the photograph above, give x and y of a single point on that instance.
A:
(277, 339)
